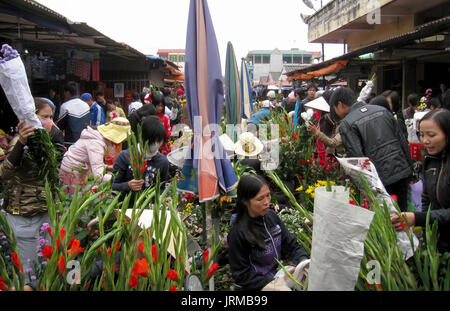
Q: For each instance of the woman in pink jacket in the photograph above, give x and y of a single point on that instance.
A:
(85, 158)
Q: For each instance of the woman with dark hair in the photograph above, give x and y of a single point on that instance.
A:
(154, 134)
(434, 135)
(434, 103)
(258, 238)
(138, 115)
(158, 102)
(45, 112)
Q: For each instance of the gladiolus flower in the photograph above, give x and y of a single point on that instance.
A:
(154, 254)
(212, 269)
(141, 268)
(141, 247)
(117, 246)
(133, 282)
(42, 288)
(172, 275)
(58, 247)
(403, 225)
(109, 251)
(144, 165)
(47, 251)
(173, 288)
(2, 285)
(115, 267)
(62, 233)
(16, 261)
(49, 230)
(70, 243)
(61, 264)
(303, 161)
(75, 248)
(205, 256)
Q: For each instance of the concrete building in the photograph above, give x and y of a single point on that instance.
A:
(270, 65)
(406, 43)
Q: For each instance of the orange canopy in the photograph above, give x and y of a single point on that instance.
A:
(321, 72)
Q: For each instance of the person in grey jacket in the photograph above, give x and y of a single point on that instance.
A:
(372, 131)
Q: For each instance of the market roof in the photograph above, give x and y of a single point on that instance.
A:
(422, 31)
(170, 51)
(33, 22)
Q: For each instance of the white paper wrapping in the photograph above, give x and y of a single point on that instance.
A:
(352, 167)
(14, 82)
(339, 232)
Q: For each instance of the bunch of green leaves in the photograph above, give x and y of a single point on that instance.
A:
(137, 149)
(44, 156)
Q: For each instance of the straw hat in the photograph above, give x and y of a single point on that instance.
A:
(318, 104)
(116, 131)
(248, 145)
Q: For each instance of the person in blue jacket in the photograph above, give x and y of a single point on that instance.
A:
(154, 133)
(262, 114)
(258, 237)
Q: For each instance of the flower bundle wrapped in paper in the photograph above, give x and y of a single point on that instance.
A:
(356, 167)
(14, 82)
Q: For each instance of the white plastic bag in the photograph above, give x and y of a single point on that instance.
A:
(14, 82)
(339, 232)
(365, 167)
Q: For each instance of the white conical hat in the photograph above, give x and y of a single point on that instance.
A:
(318, 104)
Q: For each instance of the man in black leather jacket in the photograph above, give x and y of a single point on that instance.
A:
(371, 131)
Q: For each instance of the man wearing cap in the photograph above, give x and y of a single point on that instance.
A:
(73, 116)
(135, 104)
(97, 115)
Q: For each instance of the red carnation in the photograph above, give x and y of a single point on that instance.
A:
(172, 275)
(47, 251)
(133, 282)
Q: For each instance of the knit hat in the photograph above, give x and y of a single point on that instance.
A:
(116, 131)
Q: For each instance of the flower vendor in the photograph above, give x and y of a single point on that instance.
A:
(258, 238)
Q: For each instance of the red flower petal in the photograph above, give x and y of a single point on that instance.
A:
(47, 251)
(133, 282)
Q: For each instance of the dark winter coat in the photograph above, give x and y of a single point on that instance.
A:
(251, 268)
(372, 131)
(436, 194)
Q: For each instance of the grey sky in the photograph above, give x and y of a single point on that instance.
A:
(149, 25)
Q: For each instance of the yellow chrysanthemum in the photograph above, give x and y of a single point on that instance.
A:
(299, 188)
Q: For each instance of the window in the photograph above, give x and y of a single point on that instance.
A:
(306, 59)
(266, 59)
(258, 59)
(173, 58)
(287, 59)
(297, 59)
(181, 59)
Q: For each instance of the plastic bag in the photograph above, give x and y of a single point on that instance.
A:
(365, 167)
(14, 82)
(339, 232)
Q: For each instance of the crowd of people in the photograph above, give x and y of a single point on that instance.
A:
(90, 131)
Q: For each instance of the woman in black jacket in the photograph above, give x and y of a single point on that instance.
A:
(434, 131)
(258, 237)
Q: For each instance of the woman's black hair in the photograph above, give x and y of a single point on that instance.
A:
(153, 130)
(248, 187)
(380, 100)
(137, 116)
(158, 98)
(327, 95)
(413, 100)
(434, 102)
(395, 99)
